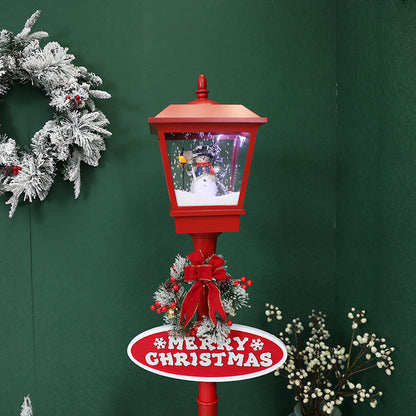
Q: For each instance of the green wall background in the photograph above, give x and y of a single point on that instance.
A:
(77, 276)
(376, 153)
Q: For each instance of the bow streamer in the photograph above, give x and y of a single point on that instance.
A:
(202, 273)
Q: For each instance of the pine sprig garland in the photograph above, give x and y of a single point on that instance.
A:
(76, 133)
(170, 295)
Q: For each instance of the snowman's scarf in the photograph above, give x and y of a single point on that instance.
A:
(200, 168)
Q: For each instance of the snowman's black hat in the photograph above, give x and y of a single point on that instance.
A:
(203, 150)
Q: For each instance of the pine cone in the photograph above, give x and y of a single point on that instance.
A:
(169, 285)
(6, 170)
(15, 54)
(73, 104)
(223, 285)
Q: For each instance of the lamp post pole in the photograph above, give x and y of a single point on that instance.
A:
(207, 391)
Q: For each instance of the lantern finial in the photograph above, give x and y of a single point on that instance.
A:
(202, 92)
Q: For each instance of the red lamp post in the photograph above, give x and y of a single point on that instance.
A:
(206, 151)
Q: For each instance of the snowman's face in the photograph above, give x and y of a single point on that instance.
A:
(202, 159)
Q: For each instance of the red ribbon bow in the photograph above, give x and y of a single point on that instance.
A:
(203, 273)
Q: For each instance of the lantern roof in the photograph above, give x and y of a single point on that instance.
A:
(203, 110)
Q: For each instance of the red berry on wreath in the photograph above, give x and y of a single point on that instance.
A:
(159, 310)
(175, 288)
(249, 282)
(236, 282)
(173, 305)
(152, 307)
(244, 287)
(243, 279)
(157, 303)
(77, 97)
(172, 279)
(67, 97)
(164, 308)
(229, 323)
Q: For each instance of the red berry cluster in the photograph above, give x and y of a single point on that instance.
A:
(175, 286)
(159, 309)
(10, 170)
(244, 282)
(77, 98)
(194, 330)
(74, 103)
(16, 169)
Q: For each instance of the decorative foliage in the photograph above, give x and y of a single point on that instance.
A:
(26, 407)
(201, 274)
(320, 375)
(76, 133)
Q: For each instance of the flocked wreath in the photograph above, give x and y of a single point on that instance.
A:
(179, 305)
(75, 134)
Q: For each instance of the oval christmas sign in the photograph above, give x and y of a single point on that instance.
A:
(247, 353)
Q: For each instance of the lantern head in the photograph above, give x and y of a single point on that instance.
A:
(206, 151)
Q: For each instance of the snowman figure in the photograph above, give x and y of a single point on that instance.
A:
(203, 173)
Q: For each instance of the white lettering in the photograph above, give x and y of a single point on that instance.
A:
(151, 358)
(166, 359)
(181, 359)
(251, 361)
(190, 344)
(205, 342)
(226, 344)
(218, 356)
(235, 357)
(205, 359)
(175, 341)
(240, 343)
(194, 359)
(266, 359)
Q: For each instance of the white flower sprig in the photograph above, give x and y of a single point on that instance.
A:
(320, 374)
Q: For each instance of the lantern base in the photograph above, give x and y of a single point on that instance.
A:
(207, 221)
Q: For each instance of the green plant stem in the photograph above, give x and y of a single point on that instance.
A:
(275, 324)
(350, 370)
(359, 356)
(329, 373)
(364, 369)
(350, 349)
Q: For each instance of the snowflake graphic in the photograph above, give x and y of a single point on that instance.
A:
(257, 344)
(159, 343)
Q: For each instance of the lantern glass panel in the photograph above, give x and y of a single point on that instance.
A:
(207, 168)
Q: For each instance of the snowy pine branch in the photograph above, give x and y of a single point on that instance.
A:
(76, 133)
(26, 409)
